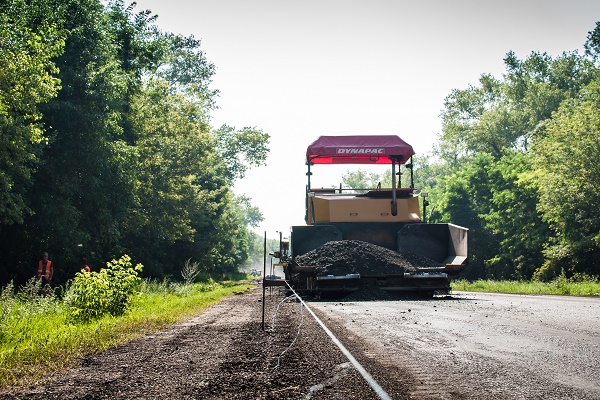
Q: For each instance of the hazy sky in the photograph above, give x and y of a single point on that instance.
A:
(301, 69)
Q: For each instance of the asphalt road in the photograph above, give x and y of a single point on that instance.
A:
(481, 346)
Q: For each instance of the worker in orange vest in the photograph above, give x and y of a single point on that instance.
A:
(45, 272)
(86, 267)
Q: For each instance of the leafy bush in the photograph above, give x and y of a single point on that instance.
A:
(109, 291)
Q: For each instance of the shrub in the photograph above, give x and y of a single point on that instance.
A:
(109, 291)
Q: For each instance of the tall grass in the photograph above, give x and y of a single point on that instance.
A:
(559, 286)
(36, 334)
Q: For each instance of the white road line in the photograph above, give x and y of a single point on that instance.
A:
(374, 385)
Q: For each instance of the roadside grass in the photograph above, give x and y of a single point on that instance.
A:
(35, 334)
(559, 286)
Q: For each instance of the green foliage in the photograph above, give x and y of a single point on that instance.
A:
(592, 44)
(28, 42)
(109, 291)
(174, 171)
(568, 176)
(513, 219)
(502, 115)
(167, 287)
(112, 149)
(561, 285)
(18, 307)
(251, 214)
(515, 168)
(362, 180)
(25, 317)
(256, 251)
(240, 149)
(80, 191)
(462, 198)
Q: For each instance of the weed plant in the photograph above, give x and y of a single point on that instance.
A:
(39, 334)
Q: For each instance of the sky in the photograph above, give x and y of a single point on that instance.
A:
(301, 69)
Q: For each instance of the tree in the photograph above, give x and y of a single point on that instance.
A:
(178, 190)
(361, 180)
(81, 192)
(513, 218)
(592, 44)
(241, 149)
(461, 198)
(488, 133)
(567, 176)
(252, 215)
(500, 115)
(184, 207)
(492, 198)
(28, 42)
(477, 119)
(128, 161)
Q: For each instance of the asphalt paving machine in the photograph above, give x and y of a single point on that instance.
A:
(386, 217)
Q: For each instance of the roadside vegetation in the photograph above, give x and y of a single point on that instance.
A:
(96, 311)
(575, 286)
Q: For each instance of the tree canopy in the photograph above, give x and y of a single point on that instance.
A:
(29, 39)
(517, 159)
(108, 147)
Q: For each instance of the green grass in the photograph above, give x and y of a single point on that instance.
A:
(35, 335)
(559, 286)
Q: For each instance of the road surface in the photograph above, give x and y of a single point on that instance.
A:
(481, 346)
(470, 346)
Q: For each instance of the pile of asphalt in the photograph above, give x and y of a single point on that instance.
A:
(357, 257)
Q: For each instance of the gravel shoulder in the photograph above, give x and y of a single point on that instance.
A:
(221, 354)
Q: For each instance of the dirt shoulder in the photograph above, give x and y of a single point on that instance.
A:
(222, 353)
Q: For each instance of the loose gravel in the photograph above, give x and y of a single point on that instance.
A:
(224, 353)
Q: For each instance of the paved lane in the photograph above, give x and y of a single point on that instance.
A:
(483, 346)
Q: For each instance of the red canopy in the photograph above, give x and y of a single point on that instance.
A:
(358, 150)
